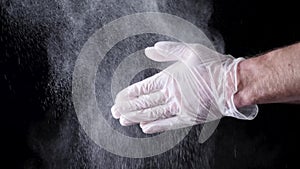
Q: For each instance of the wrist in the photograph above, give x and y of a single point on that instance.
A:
(238, 108)
(246, 71)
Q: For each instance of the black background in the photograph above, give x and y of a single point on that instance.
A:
(248, 27)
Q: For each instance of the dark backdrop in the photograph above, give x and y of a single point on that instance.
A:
(248, 27)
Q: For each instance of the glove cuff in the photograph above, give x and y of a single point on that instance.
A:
(244, 113)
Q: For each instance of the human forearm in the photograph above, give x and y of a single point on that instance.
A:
(270, 78)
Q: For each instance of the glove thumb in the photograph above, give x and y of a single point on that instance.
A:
(167, 51)
(190, 54)
(177, 51)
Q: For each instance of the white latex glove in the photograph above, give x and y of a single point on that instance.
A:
(198, 88)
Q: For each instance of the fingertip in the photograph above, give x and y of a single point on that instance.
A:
(150, 129)
(115, 112)
(148, 49)
(146, 130)
(124, 122)
(152, 54)
(142, 124)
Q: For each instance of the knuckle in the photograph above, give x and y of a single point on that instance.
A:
(165, 95)
(173, 107)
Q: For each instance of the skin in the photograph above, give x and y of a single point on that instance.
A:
(273, 77)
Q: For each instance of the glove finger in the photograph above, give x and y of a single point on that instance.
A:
(125, 122)
(153, 113)
(163, 125)
(146, 86)
(140, 103)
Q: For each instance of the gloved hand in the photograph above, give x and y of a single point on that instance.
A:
(198, 88)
